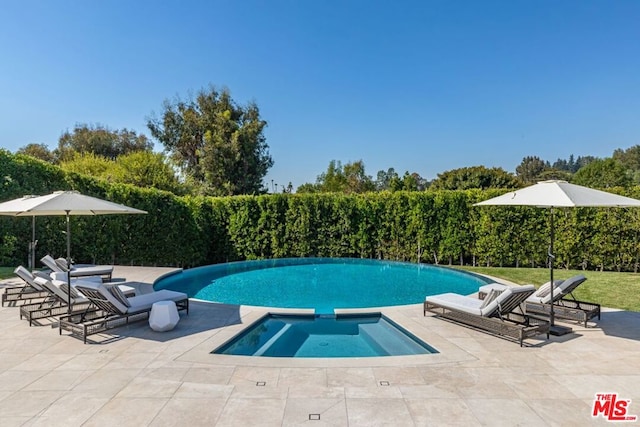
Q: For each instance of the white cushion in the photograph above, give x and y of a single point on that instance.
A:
(145, 301)
(457, 302)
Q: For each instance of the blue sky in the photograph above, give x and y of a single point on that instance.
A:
(423, 86)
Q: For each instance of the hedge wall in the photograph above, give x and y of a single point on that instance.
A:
(435, 227)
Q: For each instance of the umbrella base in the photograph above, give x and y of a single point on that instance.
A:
(560, 330)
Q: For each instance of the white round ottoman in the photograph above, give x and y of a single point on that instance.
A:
(164, 316)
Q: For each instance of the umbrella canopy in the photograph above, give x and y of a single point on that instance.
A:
(65, 203)
(11, 208)
(559, 194)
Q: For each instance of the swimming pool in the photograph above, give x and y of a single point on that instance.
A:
(323, 284)
(363, 335)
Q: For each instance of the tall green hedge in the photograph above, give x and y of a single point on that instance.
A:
(436, 227)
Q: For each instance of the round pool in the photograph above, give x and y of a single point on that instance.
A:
(322, 284)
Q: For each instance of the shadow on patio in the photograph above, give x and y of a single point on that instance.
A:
(202, 317)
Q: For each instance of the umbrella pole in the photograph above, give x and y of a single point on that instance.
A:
(33, 242)
(553, 329)
(68, 264)
(550, 258)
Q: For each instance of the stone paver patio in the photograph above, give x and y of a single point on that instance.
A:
(134, 376)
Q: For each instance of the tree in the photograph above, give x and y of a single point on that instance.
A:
(350, 178)
(333, 180)
(92, 165)
(390, 180)
(603, 173)
(148, 169)
(39, 151)
(101, 141)
(474, 177)
(573, 164)
(408, 182)
(383, 179)
(219, 145)
(630, 158)
(357, 179)
(140, 168)
(530, 169)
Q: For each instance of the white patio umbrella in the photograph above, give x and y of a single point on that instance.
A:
(10, 208)
(65, 203)
(559, 194)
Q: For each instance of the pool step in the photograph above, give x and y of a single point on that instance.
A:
(272, 340)
(390, 339)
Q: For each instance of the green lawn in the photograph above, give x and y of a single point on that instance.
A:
(6, 272)
(616, 290)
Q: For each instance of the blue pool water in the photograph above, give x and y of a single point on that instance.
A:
(323, 284)
(367, 335)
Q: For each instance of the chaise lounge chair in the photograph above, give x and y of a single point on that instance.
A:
(105, 271)
(29, 292)
(57, 302)
(116, 309)
(563, 307)
(496, 314)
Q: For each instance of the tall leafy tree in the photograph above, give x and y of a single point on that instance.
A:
(101, 141)
(357, 179)
(603, 173)
(630, 158)
(530, 169)
(218, 144)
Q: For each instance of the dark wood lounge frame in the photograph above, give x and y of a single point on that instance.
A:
(22, 294)
(566, 308)
(511, 325)
(51, 308)
(54, 305)
(81, 325)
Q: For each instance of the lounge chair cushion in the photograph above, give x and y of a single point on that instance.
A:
(457, 302)
(496, 304)
(571, 284)
(62, 263)
(542, 295)
(29, 278)
(118, 294)
(94, 270)
(473, 305)
(493, 294)
(59, 275)
(485, 289)
(543, 290)
(138, 303)
(56, 288)
(145, 301)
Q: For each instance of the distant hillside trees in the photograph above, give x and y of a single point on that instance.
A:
(474, 177)
(350, 178)
(100, 141)
(39, 151)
